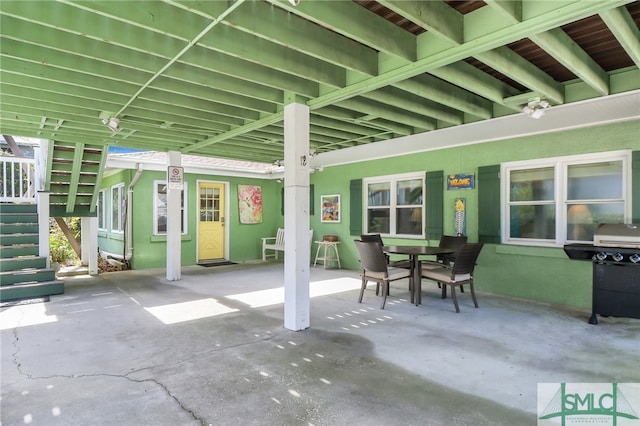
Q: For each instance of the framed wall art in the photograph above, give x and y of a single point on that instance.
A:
(330, 208)
(250, 203)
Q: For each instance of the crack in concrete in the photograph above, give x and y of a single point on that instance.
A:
(168, 392)
(184, 408)
(18, 365)
(14, 355)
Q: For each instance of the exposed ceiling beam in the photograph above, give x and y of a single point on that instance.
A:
(519, 69)
(559, 45)
(485, 35)
(353, 21)
(434, 16)
(625, 30)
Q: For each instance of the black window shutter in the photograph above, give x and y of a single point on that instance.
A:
(434, 187)
(311, 204)
(355, 211)
(635, 186)
(489, 204)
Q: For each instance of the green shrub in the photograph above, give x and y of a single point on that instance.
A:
(59, 248)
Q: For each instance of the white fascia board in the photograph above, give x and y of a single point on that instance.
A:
(594, 112)
(132, 163)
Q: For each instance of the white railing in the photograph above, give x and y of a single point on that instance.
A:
(17, 179)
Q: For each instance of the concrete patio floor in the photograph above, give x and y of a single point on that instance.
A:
(130, 348)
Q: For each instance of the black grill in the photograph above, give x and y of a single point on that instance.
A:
(616, 270)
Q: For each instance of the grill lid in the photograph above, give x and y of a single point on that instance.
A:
(617, 235)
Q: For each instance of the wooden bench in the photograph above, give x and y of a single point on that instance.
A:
(276, 244)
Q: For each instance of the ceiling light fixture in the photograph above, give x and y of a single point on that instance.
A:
(535, 108)
(112, 123)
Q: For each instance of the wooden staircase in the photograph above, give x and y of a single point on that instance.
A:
(23, 273)
(73, 178)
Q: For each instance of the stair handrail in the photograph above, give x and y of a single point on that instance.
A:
(17, 179)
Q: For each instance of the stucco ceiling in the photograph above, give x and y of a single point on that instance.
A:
(212, 77)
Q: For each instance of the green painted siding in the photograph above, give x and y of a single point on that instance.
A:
(113, 242)
(544, 274)
(149, 251)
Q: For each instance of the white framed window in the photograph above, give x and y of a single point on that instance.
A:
(118, 208)
(555, 201)
(394, 205)
(160, 208)
(102, 210)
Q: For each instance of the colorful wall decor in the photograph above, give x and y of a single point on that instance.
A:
(461, 181)
(250, 203)
(460, 217)
(330, 205)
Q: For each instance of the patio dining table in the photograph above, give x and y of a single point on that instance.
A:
(414, 253)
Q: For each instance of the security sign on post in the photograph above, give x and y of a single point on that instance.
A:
(176, 177)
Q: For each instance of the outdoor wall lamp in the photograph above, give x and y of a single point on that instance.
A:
(535, 108)
(110, 121)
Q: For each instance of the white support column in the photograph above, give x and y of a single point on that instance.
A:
(89, 230)
(174, 240)
(43, 225)
(296, 217)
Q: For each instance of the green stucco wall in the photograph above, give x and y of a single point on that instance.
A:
(536, 273)
(108, 241)
(149, 251)
(244, 239)
(543, 274)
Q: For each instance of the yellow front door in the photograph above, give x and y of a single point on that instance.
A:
(211, 221)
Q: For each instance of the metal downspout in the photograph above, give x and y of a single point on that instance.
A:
(129, 231)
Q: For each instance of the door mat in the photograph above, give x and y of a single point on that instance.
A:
(210, 264)
(29, 301)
